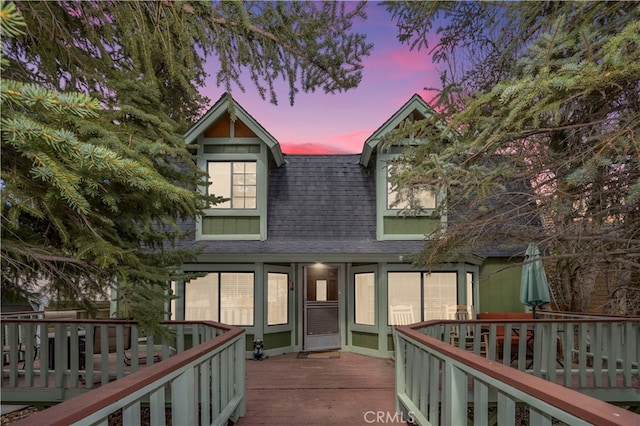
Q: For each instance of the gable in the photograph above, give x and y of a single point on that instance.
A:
(218, 123)
(415, 109)
(222, 127)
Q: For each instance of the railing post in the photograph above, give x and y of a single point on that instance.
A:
(400, 370)
(240, 378)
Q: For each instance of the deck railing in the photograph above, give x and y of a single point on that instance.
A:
(201, 376)
(436, 382)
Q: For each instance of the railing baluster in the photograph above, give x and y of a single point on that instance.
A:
(216, 383)
(569, 335)
(424, 383)
(131, 414)
(539, 418)
(61, 354)
(480, 403)
(409, 379)
(538, 338)
(89, 350)
(506, 346)
(434, 390)
(455, 399)
(157, 410)
(582, 353)
(554, 355)
(630, 337)
(205, 393)
(416, 366)
(30, 353)
(183, 404)
(612, 365)
(240, 377)
(506, 409)
(596, 350)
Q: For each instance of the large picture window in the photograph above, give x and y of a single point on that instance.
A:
(226, 297)
(408, 197)
(235, 180)
(427, 294)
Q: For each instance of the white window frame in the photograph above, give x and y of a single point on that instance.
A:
(419, 305)
(408, 198)
(234, 182)
(219, 299)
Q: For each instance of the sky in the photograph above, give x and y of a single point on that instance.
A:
(339, 123)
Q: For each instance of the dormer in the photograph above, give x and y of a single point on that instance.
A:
(401, 213)
(236, 153)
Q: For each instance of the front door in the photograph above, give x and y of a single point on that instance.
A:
(321, 308)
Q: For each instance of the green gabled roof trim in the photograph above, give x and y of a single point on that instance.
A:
(222, 106)
(416, 103)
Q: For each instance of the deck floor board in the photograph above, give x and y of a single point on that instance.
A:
(350, 390)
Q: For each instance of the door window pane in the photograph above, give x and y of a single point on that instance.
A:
(201, 299)
(321, 290)
(440, 290)
(236, 298)
(365, 298)
(404, 289)
(277, 299)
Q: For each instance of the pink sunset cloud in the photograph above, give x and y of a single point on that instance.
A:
(319, 123)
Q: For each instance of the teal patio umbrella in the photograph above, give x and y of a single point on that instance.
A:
(534, 289)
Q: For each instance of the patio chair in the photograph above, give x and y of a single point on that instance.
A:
(466, 333)
(401, 314)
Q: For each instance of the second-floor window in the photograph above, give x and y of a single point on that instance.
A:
(235, 180)
(408, 197)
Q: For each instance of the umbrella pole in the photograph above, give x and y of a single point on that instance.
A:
(534, 312)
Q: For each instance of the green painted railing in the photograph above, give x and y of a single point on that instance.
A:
(197, 370)
(483, 380)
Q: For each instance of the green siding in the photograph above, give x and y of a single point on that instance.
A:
(230, 225)
(390, 344)
(231, 149)
(499, 291)
(249, 342)
(419, 225)
(277, 340)
(365, 340)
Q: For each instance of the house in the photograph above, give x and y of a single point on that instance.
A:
(310, 251)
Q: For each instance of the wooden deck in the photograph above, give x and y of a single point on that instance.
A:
(350, 390)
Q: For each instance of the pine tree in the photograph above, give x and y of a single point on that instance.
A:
(544, 95)
(96, 176)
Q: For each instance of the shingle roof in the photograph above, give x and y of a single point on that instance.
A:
(322, 197)
(318, 204)
(323, 204)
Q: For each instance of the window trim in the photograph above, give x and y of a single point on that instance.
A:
(287, 302)
(382, 203)
(262, 169)
(461, 271)
(375, 298)
(219, 286)
(232, 185)
(363, 328)
(389, 211)
(291, 301)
